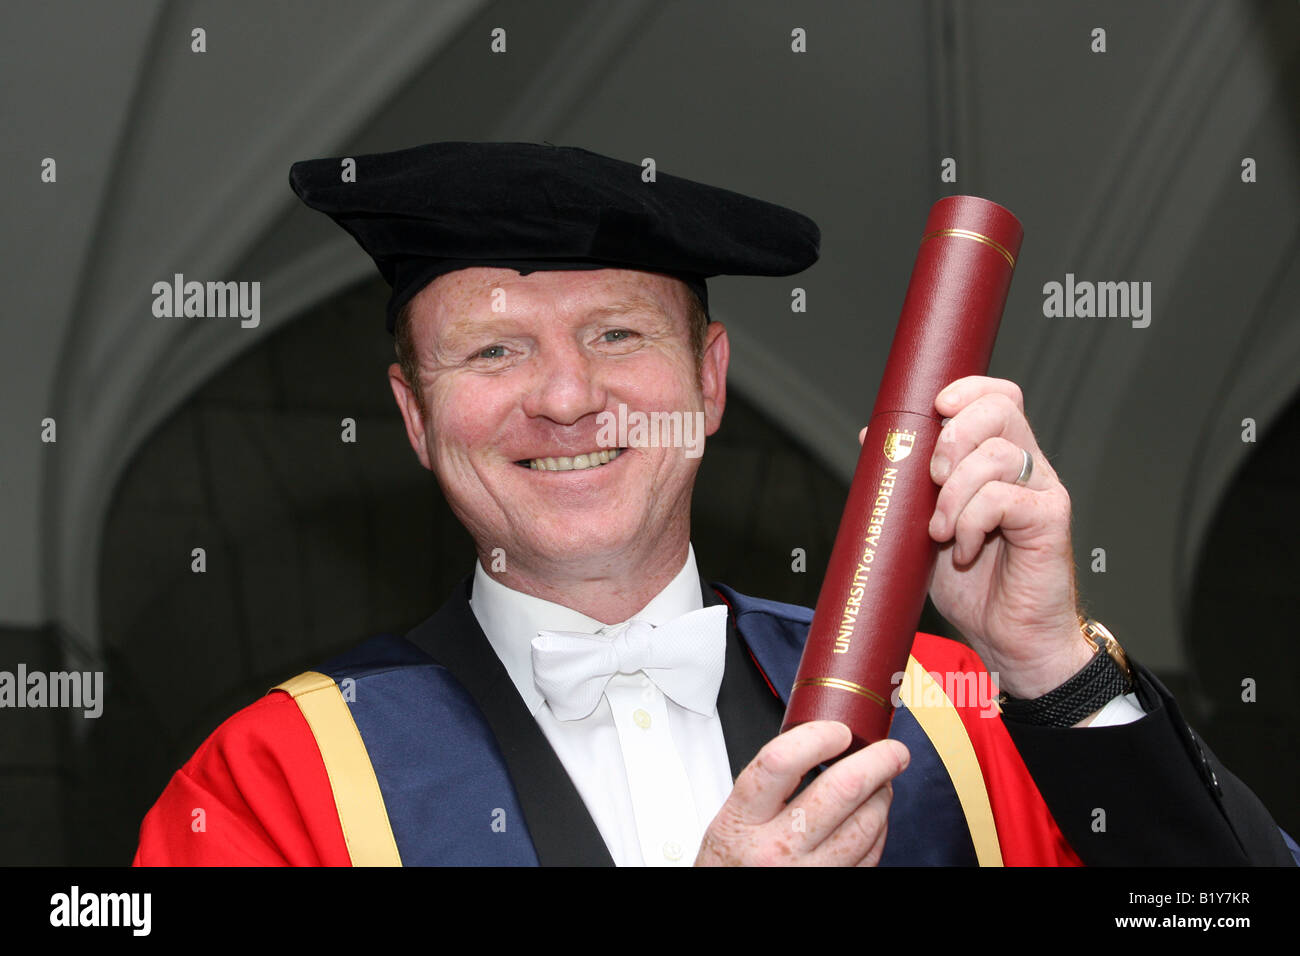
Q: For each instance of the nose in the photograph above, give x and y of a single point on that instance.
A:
(566, 385)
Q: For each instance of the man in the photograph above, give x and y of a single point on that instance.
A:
(585, 697)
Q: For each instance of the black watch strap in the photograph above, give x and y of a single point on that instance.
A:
(1100, 681)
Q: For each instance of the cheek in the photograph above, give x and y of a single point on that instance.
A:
(465, 419)
(664, 382)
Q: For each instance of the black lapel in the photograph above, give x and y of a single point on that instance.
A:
(750, 712)
(562, 830)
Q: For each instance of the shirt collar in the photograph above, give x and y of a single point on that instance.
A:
(511, 619)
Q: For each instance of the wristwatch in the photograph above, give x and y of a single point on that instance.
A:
(1107, 676)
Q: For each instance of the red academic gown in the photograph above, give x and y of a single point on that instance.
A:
(257, 791)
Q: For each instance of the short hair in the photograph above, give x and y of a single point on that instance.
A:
(697, 320)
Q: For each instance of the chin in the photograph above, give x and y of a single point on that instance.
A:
(579, 536)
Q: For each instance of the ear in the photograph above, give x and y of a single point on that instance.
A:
(409, 405)
(713, 375)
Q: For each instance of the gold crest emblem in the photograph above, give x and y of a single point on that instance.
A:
(898, 444)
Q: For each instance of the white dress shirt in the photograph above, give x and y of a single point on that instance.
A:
(651, 773)
(1121, 710)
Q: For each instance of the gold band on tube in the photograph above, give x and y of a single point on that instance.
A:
(1002, 250)
(842, 684)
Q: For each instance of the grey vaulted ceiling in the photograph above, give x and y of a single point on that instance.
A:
(1123, 165)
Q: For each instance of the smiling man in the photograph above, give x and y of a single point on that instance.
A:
(513, 375)
(585, 697)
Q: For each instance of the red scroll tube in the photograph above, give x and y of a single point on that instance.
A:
(875, 585)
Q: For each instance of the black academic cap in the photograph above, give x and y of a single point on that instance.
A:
(426, 211)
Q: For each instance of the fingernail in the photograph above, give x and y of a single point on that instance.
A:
(936, 523)
(939, 468)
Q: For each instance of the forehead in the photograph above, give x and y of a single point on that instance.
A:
(465, 297)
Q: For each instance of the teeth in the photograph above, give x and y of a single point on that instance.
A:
(592, 459)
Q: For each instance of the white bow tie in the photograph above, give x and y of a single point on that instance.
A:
(683, 657)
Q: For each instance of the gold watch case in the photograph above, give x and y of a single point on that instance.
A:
(1097, 634)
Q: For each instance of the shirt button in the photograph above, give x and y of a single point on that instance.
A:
(641, 718)
(672, 851)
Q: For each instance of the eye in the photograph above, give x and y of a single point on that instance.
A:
(492, 352)
(618, 335)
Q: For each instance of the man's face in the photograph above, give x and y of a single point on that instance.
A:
(517, 369)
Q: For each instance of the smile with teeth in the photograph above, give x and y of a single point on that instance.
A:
(593, 459)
